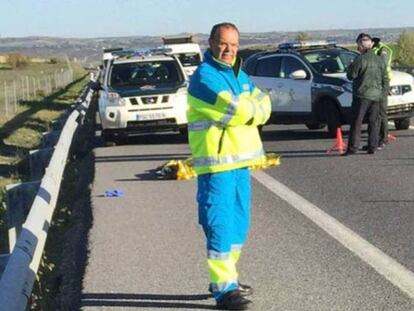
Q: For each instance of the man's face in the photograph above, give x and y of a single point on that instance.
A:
(225, 44)
(364, 44)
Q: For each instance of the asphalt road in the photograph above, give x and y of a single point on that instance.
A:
(147, 251)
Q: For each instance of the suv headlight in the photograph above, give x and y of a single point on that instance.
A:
(181, 93)
(115, 100)
(395, 90)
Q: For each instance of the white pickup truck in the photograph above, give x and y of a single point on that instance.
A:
(186, 50)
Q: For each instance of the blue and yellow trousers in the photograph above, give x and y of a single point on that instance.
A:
(224, 214)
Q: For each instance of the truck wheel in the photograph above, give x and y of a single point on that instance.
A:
(315, 126)
(402, 124)
(333, 117)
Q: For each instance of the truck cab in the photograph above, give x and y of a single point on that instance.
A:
(186, 50)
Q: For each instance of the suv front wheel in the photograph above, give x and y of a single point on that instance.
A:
(402, 124)
(315, 125)
(331, 115)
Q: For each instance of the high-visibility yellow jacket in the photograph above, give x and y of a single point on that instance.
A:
(224, 110)
(385, 52)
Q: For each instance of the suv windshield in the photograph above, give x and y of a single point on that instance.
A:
(155, 74)
(330, 61)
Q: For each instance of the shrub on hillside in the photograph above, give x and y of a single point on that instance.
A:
(405, 46)
(16, 60)
(54, 60)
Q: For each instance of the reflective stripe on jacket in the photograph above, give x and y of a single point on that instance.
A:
(224, 111)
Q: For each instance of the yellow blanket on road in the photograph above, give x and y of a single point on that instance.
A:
(183, 169)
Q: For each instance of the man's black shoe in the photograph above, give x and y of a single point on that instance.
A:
(371, 151)
(348, 152)
(233, 300)
(380, 147)
(245, 290)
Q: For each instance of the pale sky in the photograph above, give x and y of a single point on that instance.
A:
(107, 18)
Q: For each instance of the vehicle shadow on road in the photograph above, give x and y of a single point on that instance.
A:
(272, 135)
(304, 153)
(151, 139)
(154, 174)
(145, 301)
(142, 157)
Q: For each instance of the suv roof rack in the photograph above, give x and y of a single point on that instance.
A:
(141, 52)
(306, 44)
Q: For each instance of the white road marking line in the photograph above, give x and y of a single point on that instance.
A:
(393, 271)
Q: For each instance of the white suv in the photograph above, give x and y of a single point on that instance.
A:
(142, 92)
(307, 84)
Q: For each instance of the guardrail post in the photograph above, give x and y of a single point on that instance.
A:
(50, 139)
(20, 198)
(38, 161)
(56, 125)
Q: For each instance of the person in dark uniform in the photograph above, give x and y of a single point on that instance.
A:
(370, 82)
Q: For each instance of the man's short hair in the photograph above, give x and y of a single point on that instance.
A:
(362, 36)
(225, 25)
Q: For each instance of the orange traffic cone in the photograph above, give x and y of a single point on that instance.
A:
(391, 137)
(339, 143)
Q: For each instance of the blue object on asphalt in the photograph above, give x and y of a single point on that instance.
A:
(114, 193)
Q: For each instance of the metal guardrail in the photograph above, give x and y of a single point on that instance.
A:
(17, 281)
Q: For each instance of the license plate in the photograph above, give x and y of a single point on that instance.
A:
(151, 116)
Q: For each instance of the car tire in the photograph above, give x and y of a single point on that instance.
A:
(333, 117)
(402, 124)
(315, 126)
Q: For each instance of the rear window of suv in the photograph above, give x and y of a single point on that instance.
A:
(155, 74)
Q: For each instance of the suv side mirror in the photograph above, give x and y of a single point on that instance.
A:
(298, 75)
(96, 86)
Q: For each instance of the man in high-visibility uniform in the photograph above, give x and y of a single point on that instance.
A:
(224, 110)
(385, 52)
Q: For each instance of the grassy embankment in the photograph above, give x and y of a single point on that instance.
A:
(22, 132)
(32, 70)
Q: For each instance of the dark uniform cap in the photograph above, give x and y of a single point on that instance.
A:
(376, 40)
(363, 35)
